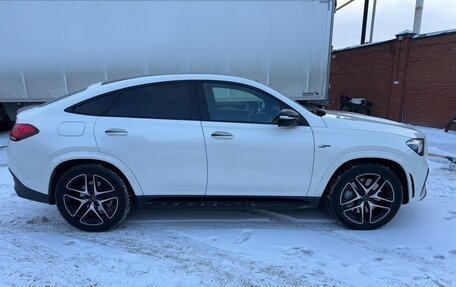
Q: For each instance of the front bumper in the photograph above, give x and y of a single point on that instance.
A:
(28, 193)
(423, 192)
(417, 172)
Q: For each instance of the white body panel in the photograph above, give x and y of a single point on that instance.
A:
(35, 160)
(358, 145)
(168, 157)
(260, 159)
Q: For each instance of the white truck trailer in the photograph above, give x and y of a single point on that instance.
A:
(49, 49)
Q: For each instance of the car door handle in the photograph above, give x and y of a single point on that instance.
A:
(222, 135)
(116, 132)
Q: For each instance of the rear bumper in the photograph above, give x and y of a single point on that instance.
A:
(28, 193)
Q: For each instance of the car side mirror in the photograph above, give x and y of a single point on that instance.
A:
(287, 118)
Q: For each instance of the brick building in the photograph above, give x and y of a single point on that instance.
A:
(410, 79)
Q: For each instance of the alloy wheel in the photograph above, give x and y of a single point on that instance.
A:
(367, 199)
(90, 198)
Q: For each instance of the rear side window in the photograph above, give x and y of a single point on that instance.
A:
(125, 105)
(162, 101)
(94, 107)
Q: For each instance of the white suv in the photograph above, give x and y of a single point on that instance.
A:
(210, 140)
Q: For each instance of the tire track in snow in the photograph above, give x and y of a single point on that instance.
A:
(348, 237)
(217, 266)
(33, 254)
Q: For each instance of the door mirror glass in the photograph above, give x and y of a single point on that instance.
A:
(287, 118)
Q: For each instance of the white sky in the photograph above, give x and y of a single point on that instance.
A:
(393, 16)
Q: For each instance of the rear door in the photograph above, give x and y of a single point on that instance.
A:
(247, 153)
(155, 130)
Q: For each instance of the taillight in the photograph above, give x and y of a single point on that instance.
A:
(22, 131)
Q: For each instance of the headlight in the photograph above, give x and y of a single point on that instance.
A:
(417, 145)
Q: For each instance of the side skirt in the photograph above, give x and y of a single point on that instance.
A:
(255, 202)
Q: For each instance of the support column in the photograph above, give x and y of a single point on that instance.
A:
(400, 61)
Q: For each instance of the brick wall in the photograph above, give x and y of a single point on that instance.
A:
(409, 79)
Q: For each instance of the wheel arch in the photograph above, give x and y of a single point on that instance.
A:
(63, 166)
(396, 167)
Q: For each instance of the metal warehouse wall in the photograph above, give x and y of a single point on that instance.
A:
(409, 79)
(50, 48)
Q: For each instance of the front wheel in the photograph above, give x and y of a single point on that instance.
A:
(365, 196)
(92, 197)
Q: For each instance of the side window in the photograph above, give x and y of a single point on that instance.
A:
(94, 107)
(125, 105)
(162, 101)
(231, 103)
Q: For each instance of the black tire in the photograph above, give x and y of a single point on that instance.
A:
(6, 123)
(87, 208)
(379, 205)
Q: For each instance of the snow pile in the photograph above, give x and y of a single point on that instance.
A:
(178, 247)
(439, 142)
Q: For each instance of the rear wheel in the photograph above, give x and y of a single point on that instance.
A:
(92, 197)
(365, 196)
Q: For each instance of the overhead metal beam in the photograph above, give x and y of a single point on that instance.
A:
(418, 16)
(343, 5)
(364, 27)
(374, 9)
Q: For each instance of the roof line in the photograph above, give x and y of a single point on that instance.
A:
(420, 36)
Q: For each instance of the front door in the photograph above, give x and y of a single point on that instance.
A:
(247, 153)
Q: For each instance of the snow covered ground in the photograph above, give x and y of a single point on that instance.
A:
(178, 247)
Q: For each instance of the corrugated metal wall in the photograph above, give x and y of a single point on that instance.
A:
(51, 48)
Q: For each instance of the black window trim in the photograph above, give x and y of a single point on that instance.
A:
(204, 112)
(71, 109)
(194, 106)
